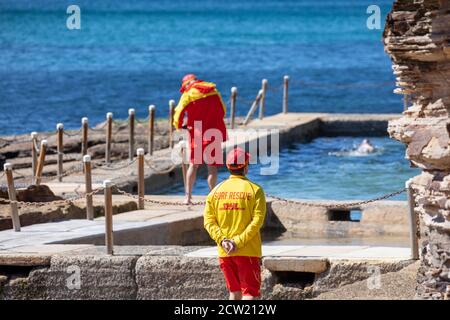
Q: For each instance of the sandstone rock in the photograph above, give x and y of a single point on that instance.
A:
(417, 38)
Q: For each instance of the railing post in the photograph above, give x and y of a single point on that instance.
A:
(109, 242)
(34, 155)
(285, 93)
(405, 101)
(151, 128)
(171, 114)
(262, 102)
(182, 145)
(141, 185)
(233, 107)
(252, 108)
(88, 186)
(84, 135)
(60, 149)
(131, 116)
(41, 161)
(109, 123)
(12, 196)
(414, 240)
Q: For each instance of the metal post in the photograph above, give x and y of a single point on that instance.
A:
(88, 187)
(60, 149)
(109, 242)
(233, 107)
(183, 153)
(109, 123)
(131, 115)
(34, 155)
(253, 108)
(414, 240)
(171, 113)
(262, 102)
(151, 128)
(141, 186)
(84, 135)
(285, 93)
(41, 161)
(12, 196)
(405, 101)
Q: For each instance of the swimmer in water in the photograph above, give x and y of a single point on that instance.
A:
(365, 147)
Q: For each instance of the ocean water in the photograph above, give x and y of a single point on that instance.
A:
(329, 168)
(133, 53)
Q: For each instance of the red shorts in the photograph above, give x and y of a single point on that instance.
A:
(201, 157)
(242, 274)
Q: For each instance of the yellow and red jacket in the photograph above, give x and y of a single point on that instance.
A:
(235, 209)
(202, 102)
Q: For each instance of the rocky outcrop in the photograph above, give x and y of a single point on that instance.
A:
(417, 37)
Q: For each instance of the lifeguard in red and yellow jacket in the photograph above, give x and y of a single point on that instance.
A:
(205, 110)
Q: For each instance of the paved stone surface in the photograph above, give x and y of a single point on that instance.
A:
(331, 252)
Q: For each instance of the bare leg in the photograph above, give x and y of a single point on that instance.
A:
(212, 177)
(190, 181)
(248, 298)
(237, 295)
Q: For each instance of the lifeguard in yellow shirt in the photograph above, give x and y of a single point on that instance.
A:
(234, 214)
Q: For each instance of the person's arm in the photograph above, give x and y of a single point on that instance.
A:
(180, 111)
(210, 222)
(259, 213)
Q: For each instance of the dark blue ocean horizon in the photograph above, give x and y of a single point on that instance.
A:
(132, 54)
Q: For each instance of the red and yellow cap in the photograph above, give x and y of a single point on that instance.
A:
(237, 159)
(186, 79)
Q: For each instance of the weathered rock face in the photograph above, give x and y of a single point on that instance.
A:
(417, 37)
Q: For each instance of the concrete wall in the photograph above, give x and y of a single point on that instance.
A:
(380, 218)
(164, 277)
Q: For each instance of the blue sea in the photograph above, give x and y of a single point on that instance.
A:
(133, 53)
(130, 54)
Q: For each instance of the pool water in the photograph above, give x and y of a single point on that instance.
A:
(329, 168)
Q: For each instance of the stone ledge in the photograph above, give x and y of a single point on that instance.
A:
(314, 265)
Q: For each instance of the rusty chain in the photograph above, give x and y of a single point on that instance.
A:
(106, 167)
(344, 205)
(74, 134)
(162, 202)
(151, 166)
(56, 202)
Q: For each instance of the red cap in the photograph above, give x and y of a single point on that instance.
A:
(185, 81)
(237, 159)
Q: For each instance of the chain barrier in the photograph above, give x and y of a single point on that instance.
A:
(107, 167)
(144, 121)
(56, 202)
(347, 205)
(73, 134)
(99, 129)
(157, 170)
(161, 202)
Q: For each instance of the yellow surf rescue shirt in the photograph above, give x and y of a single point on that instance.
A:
(235, 209)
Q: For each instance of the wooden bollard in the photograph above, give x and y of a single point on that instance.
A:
(109, 123)
(60, 149)
(109, 242)
(414, 240)
(131, 117)
(171, 114)
(285, 93)
(252, 108)
(84, 135)
(262, 102)
(34, 155)
(233, 107)
(41, 161)
(405, 102)
(88, 186)
(183, 153)
(151, 129)
(141, 185)
(12, 196)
